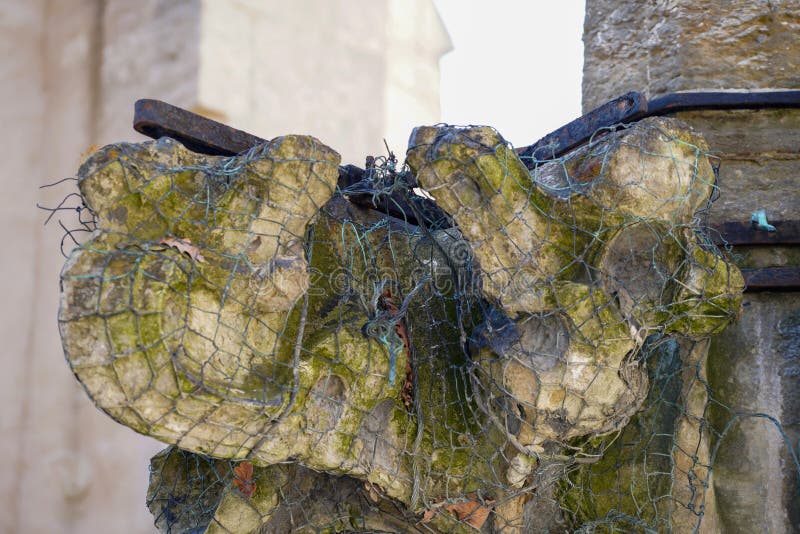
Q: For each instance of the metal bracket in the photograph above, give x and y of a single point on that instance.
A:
(783, 233)
(155, 119)
(634, 106)
(771, 279)
(618, 111)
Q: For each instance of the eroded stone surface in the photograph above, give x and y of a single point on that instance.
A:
(271, 332)
(601, 241)
(209, 353)
(754, 369)
(682, 45)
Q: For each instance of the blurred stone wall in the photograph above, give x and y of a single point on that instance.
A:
(754, 365)
(349, 72)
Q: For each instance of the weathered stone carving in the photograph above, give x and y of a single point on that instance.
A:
(295, 323)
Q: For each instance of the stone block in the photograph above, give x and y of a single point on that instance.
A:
(663, 47)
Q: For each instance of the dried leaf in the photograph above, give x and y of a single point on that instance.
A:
(407, 389)
(253, 246)
(471, 512)
(184, 246)
(243, 479)
(428, 515)
(372, 490)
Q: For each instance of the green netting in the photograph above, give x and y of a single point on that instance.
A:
(526, 352)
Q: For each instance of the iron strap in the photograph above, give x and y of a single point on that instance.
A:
(155, 119)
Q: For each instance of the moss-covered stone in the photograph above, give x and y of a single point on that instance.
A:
(238, 308)
(633, 477)
(581, 382)
(476, 177)
(710, 294)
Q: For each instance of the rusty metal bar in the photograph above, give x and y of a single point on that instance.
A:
(699, 100)
(155, 119)
(738, 234)
(634, 106)
(554, 144)
(772, 279)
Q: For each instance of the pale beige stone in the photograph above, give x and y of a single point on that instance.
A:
(663, 47)
(71, 71)
(738, 46)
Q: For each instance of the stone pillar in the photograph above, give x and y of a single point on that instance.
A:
(754, 365)
(684, 45)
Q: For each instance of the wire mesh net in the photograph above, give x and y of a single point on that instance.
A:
(505, 344)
